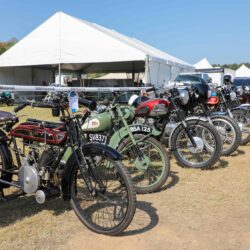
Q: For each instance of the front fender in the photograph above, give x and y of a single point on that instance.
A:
(89, 149)
(122, 133)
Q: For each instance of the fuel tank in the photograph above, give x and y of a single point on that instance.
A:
(97, 122)
(50, 133)
(155, 107)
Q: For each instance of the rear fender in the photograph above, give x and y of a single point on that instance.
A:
(89, 149)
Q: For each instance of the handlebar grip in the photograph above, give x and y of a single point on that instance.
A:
(89, 104)
(20, 107)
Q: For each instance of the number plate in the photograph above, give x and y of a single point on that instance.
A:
(140, 128)
(97, 138)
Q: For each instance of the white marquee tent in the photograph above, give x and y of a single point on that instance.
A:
(243, 71)
(203, 64)
(66, 43)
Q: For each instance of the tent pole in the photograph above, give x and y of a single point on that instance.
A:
(59, 73)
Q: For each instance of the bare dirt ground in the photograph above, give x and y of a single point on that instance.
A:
(196, 209)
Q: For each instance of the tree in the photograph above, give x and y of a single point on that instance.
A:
(6, 45)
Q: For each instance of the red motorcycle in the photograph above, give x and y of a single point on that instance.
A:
(193, 141)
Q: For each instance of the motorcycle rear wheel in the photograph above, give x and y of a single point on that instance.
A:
(208, 141)
(108, 210)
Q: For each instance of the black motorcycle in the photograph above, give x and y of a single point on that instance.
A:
(56, 160)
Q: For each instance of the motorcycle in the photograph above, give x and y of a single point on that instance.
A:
(193, 141)
(144, 156)
(227, 127)
(54, 159)
(224, 101)
(6, 98)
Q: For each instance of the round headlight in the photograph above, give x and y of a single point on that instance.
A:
(183, 96)
(233, 96)
(239, 90)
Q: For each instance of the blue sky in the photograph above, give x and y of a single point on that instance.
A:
(190, 30)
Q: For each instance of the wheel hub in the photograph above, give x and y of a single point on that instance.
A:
(199, 145)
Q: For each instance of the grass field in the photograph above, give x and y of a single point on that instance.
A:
(196, 209)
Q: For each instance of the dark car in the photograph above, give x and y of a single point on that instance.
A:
(186, 78)
(241, 81)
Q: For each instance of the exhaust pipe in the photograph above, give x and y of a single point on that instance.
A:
(47, 194)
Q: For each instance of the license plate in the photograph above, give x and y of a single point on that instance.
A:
(140, 128)
(97, 138)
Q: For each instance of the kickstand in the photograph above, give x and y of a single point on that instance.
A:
(2, 194)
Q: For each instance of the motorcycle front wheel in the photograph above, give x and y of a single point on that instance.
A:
(229, 131)
(110, 208)
(240, 116)
(157, 166)
(207, 149)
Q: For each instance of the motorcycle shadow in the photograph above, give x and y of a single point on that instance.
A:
(26, 206)
(238, 152)
(174, 179)
(218, 165)
(145, 219)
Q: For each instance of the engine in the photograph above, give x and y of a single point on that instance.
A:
(36, 174)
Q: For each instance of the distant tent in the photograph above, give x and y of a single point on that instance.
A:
(243, 71)
(203, 64)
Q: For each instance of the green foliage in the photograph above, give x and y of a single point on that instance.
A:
(6, 45)
(233, 66)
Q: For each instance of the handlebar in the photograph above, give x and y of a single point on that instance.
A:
(89, 104)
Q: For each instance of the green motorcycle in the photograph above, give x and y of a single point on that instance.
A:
(144, 156)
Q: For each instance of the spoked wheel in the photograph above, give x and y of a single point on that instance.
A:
(229, 131)
(108, 209)
(243, 121)
(207, 140)
(150, 170)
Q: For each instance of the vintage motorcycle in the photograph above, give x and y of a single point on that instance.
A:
(54, 159)
(226, 126)
(223, 100)
(144, 156)
(193, 140)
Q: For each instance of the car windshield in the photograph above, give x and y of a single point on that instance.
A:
(241, 81)
(188, 78)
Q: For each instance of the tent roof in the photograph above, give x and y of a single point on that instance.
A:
(78, 44)
(203, 64)
(243, 71)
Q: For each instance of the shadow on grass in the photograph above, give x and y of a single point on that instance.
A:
(218, 165)
(26, 206)
(144, 220)
(238, 152)
(174, 179)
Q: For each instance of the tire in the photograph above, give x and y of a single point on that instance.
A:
(103, 203)
(10, 102)
(4, 165)
(231, 127)
(240, 116)
(141, 178)
(215, 150)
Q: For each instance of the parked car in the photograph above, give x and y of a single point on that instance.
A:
(190, 78)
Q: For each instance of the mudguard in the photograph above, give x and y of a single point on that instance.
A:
(89, 149)
(122, 133)
(245, 109)
(190, 118)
